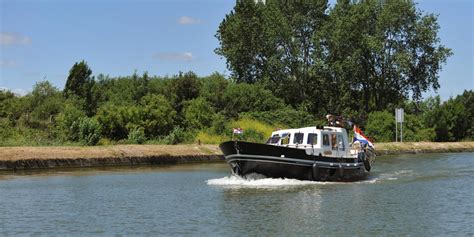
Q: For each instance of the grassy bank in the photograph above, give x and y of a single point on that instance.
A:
(116, 151)
(423, 147)
(13, 158)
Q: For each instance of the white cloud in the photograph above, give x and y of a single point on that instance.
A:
(8, 39)
(18, 92)
(175, 57)
(7, 63)
(186, 20)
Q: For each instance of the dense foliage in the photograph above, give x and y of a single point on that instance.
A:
(357, 55)
(292, 62)
(165, 110)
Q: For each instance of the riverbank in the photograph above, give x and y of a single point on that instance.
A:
(394, 148)
(14, 158)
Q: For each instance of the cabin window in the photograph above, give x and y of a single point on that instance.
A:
(285, 140)
(312, 138)
(340, 142)
(326, 139)
(333, 141)
(298, 139)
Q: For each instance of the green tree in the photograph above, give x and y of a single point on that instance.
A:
(360, 53)
(157, 115)
(213, 89)
(273, 43)
(241, 40)
(45, 101)
(12, 106)
(244, 97)
(379, 52)
(198, 114)
(80, 83)
(462, 108)
(185, 87)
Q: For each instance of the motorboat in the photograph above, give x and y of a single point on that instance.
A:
(319, 153)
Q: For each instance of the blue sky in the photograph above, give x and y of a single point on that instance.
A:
(42, 39)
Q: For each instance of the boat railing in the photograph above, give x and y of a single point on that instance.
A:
(298, 145)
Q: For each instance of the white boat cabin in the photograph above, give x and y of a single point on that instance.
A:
(326, 141)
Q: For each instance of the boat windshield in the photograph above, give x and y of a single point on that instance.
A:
(273, 140)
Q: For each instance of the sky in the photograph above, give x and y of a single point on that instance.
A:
(42, 39)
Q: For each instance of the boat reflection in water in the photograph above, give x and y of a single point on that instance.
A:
(321, 153)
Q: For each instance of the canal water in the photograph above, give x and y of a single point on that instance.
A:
(417, 195)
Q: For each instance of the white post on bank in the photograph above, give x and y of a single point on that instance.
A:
(399, 114)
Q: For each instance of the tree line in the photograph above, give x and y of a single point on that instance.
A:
(131, 109)
(186, 108)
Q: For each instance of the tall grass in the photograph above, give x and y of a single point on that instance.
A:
(254, 131)
(248, 124)
(206, 138)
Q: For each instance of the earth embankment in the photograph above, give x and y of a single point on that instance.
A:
(14, 158)
(21, 158)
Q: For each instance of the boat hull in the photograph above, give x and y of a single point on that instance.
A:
(282, 162)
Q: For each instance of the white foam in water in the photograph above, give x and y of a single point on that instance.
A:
(256, 180)
(260, 181)
(389, 176)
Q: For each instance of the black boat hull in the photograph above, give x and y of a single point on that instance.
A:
(282, 162)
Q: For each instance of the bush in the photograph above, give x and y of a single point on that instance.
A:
(414, 130)
(89, 131)
(381, 126)
(198, 113)
(68, 123)
(219, 124)
(244, 97)
(178, 135)
(158, 115)
(136, 136)
(117, 119)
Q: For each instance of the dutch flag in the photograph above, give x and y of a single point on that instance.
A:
(359, 136)
(238, 131)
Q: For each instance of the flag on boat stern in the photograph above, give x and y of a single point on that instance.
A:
(238, 131)
(359, 136)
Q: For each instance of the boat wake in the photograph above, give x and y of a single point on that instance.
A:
(259, 181)
(389, 176)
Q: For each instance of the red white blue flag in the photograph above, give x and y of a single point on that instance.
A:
(238, 131)
(359, 136)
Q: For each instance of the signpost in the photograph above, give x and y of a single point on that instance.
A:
(399, 114)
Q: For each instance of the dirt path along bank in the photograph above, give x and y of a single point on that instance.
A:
(14, 158)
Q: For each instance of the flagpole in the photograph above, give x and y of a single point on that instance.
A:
(352, 135)
(396, 131)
